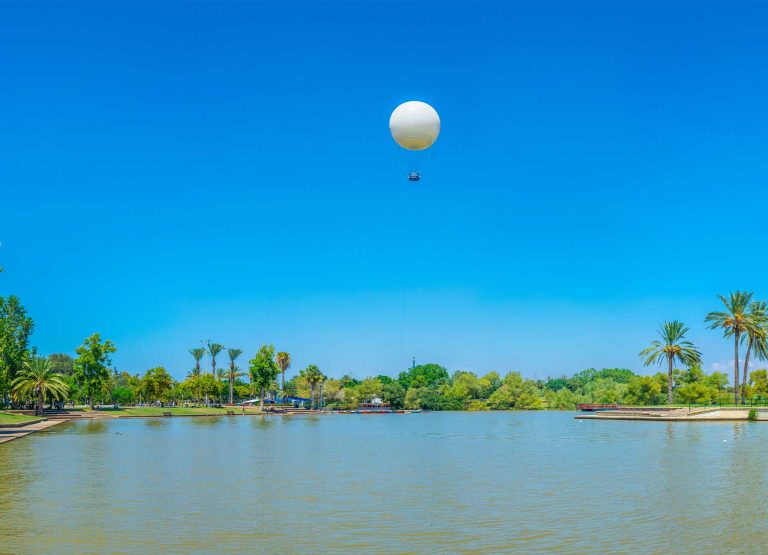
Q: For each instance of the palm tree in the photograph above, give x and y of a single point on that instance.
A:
(39, 379)
(213, 350)
(283, 360)
(757, 339)
(734, 321)
(672, 347)
(198, 353)
(234, 371)
(314, 376)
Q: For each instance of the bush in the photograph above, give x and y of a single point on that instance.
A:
(122, 396)
(752, 416)
(477, 404)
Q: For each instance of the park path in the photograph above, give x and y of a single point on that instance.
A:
(9, 434)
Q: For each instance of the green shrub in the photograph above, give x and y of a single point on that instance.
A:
(752, 416)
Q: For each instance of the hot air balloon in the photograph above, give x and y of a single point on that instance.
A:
(415, 126)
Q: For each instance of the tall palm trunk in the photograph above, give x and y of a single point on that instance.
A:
(231, 390)
(40, 400)
(282, 377)
(669, 381)
(199, 384)
(312, 397)
(744, 378)
(736, 337)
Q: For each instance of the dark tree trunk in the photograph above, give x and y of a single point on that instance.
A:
(261, 399)
(669, 381)
(744, 377)
(199, 387)
(736, 338)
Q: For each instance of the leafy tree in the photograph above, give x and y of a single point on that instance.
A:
(209, 385)
(643, 390)
(334, 395)
(556, 384)
(618, 375)
(62, 363)
(123, 395)
(490, 383)
(176, 393)
(605, 390)
(348, 381)
(695, 392)
(429, 398)
(369, 389)
(515, 393)
(156, 383)
(734, 321)
(314, 377)
(283, 360)
(718, 381)
(263, 371)
(15, 329)
(464, 387)
(91, 365)
(242, 390)
(477, 405)
(672, 347)
(561, 399)
(692, 374)
(423, 375)
(760, 382)
(39, 380)
(393, 394)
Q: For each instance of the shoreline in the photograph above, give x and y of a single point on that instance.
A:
(8, 434)
(706, 415)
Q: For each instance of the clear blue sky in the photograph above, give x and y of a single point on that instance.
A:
(173, 172)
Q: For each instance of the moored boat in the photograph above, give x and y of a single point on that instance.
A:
(374, 408)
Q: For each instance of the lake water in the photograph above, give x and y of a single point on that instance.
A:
(502, 482)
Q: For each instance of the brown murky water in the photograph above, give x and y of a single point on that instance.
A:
(429, 483)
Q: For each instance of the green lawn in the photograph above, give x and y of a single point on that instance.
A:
(6, 418)
(178, 411)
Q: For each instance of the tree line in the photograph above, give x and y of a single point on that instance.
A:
(89, 378)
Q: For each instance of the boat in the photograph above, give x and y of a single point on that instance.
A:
(375, 407)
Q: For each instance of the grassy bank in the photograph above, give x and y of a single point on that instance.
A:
(177, 411)
(6, 418)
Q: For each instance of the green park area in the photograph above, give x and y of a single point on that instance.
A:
(6, 418)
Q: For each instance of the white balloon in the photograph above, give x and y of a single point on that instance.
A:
(414, 125)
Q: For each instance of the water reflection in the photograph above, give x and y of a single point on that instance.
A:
(91, 427)
(481, 483)
(264, 422)
(203, 421)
